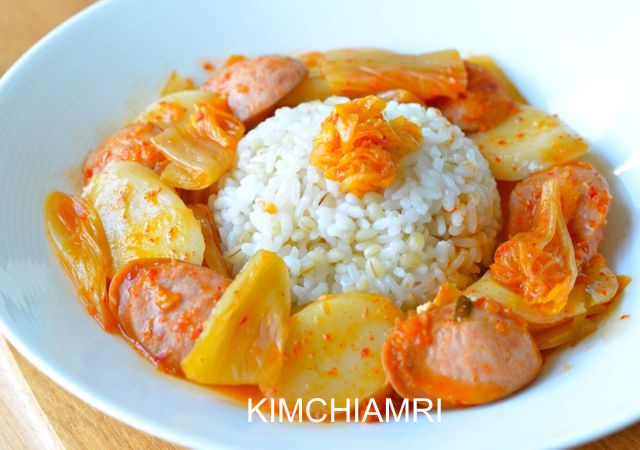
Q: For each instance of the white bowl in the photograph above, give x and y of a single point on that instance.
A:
(95, 71)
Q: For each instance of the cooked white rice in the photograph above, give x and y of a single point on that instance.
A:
(437, 222)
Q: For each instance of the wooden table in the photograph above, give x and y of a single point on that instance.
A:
(35, 412)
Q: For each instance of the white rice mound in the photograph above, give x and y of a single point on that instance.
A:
(437, 222)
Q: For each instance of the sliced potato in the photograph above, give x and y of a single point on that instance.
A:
(334, 350)
(142, 216)
(566, 332)
(177, 83)
(527, 142)
(313, 87)
(595, 286)
(488, 287)
(310, 88)
(243, 340)
(183, 101)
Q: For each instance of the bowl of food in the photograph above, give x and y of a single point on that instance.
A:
(386, 223)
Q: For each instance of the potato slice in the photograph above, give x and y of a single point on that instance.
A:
(313, 87)
(334, 350)
(174, 109)
(143, 217)
(177, 83)
(309, 89)
(488, 287)
(243, 340)
(527, 142)
(568, 331)
(596, 285)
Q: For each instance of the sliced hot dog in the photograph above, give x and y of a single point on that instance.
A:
(252, 86)
(161, 305)
(476, 359)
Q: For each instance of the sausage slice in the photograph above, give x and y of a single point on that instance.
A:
(479, 358)
(162, 304)
(485, 104)
(131, 143)
(254, 85)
